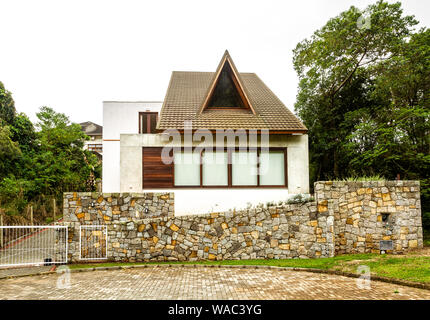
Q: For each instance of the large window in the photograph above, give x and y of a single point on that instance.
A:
(230, 168)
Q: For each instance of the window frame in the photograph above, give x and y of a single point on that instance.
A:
(285, 185)
(230, 185)
(182, 149)
(225, 150)
(148, 122)
(95, 147)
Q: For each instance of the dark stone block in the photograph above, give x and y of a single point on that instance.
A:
(151, 232)
(179, 250)
(294, 228)
(212, 233)
(219, 231)
(235, 247)
(167, 253)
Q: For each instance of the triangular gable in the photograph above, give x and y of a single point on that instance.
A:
(226, 90)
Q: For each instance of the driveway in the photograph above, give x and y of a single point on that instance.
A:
(201, 282)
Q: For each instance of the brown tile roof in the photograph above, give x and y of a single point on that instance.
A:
(188, 90)
(91, 128)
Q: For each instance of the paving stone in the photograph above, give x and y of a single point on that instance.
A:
(202, 283)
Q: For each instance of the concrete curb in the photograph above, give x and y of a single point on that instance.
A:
(27, 275)
(406, 283)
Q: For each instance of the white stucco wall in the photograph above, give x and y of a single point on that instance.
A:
(193, 201)
(119, 117)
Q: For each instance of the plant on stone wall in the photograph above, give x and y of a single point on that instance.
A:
(300, 198)
(363, 178)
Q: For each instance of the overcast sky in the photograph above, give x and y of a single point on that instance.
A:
(72, 55)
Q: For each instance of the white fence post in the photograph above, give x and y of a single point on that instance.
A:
(31, 217)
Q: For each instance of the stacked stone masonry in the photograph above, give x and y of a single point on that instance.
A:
(370, 211)
(347, 217)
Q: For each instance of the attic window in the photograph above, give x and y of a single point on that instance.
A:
(226, 92)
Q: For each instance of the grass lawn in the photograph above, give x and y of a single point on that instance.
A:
(411, 267)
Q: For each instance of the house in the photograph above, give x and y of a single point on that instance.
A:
(219, 140)
(95, 132)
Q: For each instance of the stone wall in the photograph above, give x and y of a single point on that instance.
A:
(92, 208)
(283, 232)
(346, 217)
(370, 211)
(98, 208)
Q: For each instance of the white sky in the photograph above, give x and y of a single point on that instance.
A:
(72, 55)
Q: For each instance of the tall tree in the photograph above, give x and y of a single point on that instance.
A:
(46, 162)
(331, 60)
(395, 137)
(62, 164)
(364, 96)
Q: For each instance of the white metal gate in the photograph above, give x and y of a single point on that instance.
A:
(33, 245)
(93, 242)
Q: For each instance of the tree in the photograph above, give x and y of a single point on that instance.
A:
(9, 151)
(399, 130)
(23, 132)
(332, 59)
(62, 164)
(46, 162)
(7, 105)
(364, 96)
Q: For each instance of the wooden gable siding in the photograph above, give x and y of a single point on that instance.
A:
(156, 174)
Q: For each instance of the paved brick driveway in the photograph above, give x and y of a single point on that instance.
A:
(202, 283)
